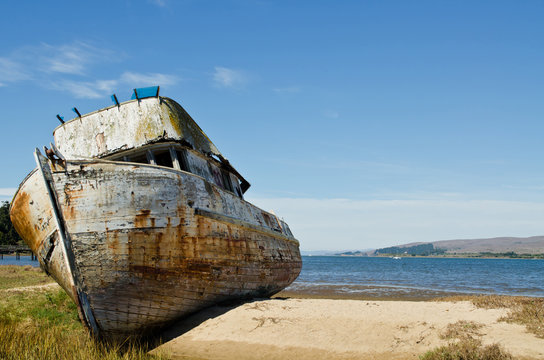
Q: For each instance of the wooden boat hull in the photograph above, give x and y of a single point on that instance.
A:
(138, 246)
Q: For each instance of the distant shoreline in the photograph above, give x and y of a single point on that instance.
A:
(457, 256)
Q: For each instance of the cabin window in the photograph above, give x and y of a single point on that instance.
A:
(199, 166)
(138, 158)
(163, 158)
(150, 157)
(182, 159)
(226, 181)
(216, 175)
(236, 185)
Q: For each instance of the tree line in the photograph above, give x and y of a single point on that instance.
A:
(8, 235)
(421, 250)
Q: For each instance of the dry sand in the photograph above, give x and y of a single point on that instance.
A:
(336, 329)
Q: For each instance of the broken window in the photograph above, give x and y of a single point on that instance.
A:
(182, 159)
(226, 181)
(163, 158)
(138, 158)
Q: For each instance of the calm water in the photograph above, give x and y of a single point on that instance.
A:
(419, 277)
(407, 277)
(25, 260)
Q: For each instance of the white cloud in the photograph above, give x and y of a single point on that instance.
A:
(86, 89)
(7, 191)
(225, 77)
(287, 90)
(336, 224)
(12, 71)
(67, 67)
(74, 58)
(6, 194)
(67, 59)
(32, 62)
(101, 88)
(149, 79)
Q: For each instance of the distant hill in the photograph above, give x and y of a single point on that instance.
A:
(500, 245)
(353, 253)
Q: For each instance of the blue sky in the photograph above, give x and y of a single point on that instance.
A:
(363, 123)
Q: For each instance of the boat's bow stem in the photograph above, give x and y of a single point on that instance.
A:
(82, 302)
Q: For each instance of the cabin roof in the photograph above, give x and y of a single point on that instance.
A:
(130, 125)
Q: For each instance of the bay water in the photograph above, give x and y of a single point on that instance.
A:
(418, 277)
(408, 277)
(24, 260)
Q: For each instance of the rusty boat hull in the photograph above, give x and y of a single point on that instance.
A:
(142, 221)
(149, 245)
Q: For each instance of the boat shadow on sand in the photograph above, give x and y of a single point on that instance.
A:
(193, 321)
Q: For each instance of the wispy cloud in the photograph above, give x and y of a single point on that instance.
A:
(137, 79)
(229, 78)
(73, 58)
(343, 223)
(69, 68)
(287, 90)
(7, 191)
(12, 71)
(32, 62)
(86, 89)
(101, 88)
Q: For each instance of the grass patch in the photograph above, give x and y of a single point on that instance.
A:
(465, 344)
(467, 350)
(47, 308)
(32, 341)
(19, 276)
(45, 325)
(527, 311)
(462, 330)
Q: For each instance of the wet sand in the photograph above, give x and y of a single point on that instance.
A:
(372, 293)
(318, 328)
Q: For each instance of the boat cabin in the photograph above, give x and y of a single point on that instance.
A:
(148, 129)
(174, 155)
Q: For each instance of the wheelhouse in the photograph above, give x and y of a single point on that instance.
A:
(174, 155)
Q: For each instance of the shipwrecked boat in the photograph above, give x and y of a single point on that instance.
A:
(141, 220)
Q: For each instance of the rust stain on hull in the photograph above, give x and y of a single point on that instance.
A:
(183, 263)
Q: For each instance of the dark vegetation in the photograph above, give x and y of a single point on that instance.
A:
(511, 255)
(8, 235)
(527, 311)
(416, 250)
(353, 253)
(429, 249)
(467, 349)
(464, 337)
(464, 343)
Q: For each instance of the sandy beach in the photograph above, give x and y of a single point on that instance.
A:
(294, 328)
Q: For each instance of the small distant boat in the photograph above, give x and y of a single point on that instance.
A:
(396, 257)
(141, 220)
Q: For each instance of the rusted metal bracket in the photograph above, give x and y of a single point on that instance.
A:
(74, 109)
(114, 99)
